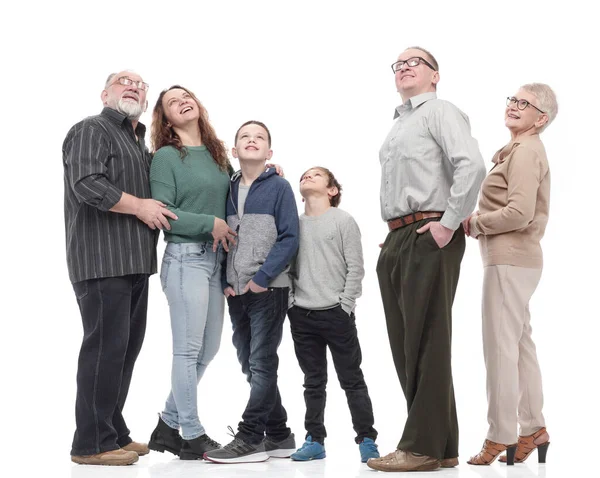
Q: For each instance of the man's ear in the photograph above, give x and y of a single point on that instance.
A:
(146, 106)
(234, 153)
(104, 96)
(332, 191)
(436, 78)
(269, 155)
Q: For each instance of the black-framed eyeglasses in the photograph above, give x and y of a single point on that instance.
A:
(126, 81)
(412, 62)
(521, 104)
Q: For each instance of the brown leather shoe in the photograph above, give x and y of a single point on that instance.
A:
(118, 457)
(528, 443)
(140, 448)
(401, 460)
(449, 462)
(490, 451)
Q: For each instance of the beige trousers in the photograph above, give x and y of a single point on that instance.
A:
(514, 380)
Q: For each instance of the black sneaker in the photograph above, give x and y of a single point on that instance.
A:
(165, 438)
(238, 451)
(196, 448)
(280, 449)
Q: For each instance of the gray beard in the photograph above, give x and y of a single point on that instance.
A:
(133, 111)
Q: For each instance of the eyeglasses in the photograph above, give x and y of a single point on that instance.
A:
(521, 104)
(126, 81)
(412, 62)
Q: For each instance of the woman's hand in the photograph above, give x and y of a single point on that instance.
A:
(222, 234)
(278, 169)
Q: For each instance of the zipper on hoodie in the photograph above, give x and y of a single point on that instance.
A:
(237, 229)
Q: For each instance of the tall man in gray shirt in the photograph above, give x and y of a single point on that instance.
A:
(431, 174)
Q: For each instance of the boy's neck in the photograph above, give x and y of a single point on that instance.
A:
(250, 171)
(190, 134)
(316, 205)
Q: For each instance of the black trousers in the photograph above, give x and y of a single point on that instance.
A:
(418, 282)
(313, 331)
(113, 312)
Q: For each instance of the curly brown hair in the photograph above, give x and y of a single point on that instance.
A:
(164, 135)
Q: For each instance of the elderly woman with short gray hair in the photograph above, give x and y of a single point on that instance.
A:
(510, 222)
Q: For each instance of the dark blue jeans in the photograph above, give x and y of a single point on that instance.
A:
(257, 321)
(113, 312)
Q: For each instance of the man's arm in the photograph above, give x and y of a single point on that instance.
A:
(451, 130)
(86, 152)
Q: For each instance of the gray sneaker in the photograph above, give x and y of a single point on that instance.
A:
(238, 451)
(280, 449)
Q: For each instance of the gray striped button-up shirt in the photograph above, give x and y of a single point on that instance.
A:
(102, 159)
(430, 162)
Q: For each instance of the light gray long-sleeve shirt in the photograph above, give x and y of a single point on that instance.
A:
(430, 162)
(328, 269)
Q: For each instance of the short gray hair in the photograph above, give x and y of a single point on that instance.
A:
(109, 80)
(546, 99)
(431, 58)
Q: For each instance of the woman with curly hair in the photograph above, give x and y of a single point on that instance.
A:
(190, 174)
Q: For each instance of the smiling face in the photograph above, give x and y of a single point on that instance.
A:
(415, 80)
(126, 99)
(180, 108)
(527, 120)
(252, 144)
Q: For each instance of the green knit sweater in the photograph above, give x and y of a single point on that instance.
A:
(193, 188)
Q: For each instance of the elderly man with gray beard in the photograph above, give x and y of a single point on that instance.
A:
(110, 222)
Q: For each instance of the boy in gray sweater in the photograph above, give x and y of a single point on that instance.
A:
(327, 276)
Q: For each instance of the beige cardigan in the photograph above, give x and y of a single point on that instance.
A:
(514, 205)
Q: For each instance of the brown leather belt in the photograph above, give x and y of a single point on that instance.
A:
(410, 218)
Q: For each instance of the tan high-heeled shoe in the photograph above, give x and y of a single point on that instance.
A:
(491, 450)
(527, 444)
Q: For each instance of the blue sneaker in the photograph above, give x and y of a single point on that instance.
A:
(368, 449)
(310, 450)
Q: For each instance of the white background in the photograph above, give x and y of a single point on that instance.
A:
(318, 74)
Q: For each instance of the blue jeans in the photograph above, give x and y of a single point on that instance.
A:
(257, 321)
(191, 279)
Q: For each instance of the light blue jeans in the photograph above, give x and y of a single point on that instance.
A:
(191, 279)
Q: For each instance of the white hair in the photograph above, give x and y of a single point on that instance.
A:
(546, 100)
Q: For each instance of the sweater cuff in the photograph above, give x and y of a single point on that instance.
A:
(348, 305)
(261, 279)
(474, 229)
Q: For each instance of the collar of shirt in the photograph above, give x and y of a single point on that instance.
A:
(119, 118)
(415, 101)
(534, 138)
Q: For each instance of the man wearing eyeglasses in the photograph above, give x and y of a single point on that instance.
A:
(431, 174)
(111, 233)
